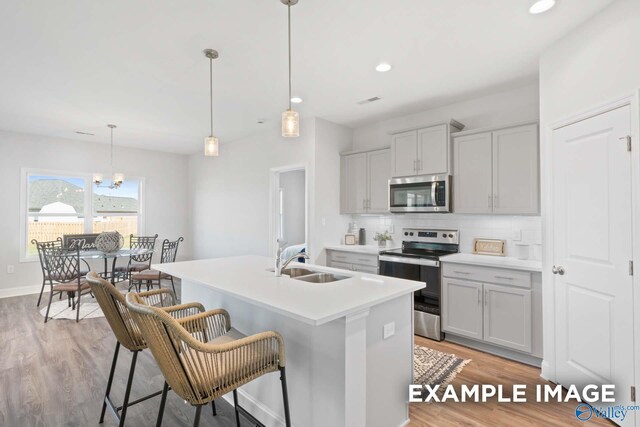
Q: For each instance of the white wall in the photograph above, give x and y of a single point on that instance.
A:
(293, 188)
(593, 65)
(166, 202)
(328, 225)
(501, 108)
(230, 194)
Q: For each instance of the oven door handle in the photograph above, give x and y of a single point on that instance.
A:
(405, 260)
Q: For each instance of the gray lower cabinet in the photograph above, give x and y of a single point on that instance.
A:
(462, 308)
(496, 314)
(353, 261)
(507, 317)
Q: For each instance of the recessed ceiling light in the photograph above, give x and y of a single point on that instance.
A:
(541, 6)
(383, 67)
(296, 100)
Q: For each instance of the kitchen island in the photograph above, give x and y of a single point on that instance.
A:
(349, 343)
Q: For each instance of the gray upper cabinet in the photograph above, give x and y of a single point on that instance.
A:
(472, 189)
(497, 171)
(424, 151)
(364, 182)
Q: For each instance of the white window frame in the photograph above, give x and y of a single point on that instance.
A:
(88, 204)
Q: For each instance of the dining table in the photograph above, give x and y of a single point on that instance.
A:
(114, 256)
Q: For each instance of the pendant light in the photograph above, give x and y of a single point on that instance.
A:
(116, 178)
(290, 118)
(211, 142)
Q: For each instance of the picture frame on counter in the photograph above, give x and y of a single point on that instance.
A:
(350, 239)
(493, 247)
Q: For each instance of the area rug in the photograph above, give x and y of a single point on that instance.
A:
(61, 310)
(432, 367)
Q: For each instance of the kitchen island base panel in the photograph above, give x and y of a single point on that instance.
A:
(341, 373)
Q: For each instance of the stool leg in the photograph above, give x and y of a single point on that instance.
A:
(128, 391)
(285, 397)
(163, 399)
(113, 369)
(213, 408)
(235, 406)
(196, 421)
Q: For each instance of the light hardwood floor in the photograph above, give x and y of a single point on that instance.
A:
(55, 375)
(489, 369)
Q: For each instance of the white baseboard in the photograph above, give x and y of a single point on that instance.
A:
(19, 291)
(405, 423)
(257, 409)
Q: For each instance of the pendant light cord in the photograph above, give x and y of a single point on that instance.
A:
(111, 161)
(211, 91)
(289, 20)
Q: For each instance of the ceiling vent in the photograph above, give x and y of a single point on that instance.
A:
(85, 133)
(369, 100)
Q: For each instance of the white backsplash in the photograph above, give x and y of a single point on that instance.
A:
(513, 229)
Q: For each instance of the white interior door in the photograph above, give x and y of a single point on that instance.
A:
(592, 225)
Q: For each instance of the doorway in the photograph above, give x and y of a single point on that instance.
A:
(289, 216)
(592, 245)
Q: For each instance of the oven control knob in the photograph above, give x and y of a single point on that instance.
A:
(451, 236)
(411, 234)
(444, 235)
(406, 233)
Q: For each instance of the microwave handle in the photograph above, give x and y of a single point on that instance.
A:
(433, 193)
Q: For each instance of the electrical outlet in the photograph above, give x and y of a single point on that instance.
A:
(388, 330)
(11, 269)
(392, 228)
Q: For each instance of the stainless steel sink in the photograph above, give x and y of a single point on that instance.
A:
(321, 278)
(294, 272)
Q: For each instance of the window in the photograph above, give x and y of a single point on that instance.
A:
(55, 204)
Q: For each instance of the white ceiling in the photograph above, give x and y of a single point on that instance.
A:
(70, 65)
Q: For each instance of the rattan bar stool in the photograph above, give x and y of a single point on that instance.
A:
(202, 357)
(115, 309)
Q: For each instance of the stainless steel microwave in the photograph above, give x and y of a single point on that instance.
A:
(425, 193)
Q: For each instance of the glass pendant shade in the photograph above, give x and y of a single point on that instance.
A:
(290, 124)
(118, 179)
(97, 179)
(211, 146)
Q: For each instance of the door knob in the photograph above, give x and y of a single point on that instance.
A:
(558, 270)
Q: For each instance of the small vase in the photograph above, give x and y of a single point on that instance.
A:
(382, 243)
(109, 241)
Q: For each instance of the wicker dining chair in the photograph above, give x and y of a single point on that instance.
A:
(115, 309)
(138, 263)
(64, 275)
(152, 277)
(202, 357)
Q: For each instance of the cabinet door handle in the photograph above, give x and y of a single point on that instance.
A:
(418, 165)
(503, 277)
(461, 272)
(415, 168)
(364, 203)
(486, 299)
(495, 201)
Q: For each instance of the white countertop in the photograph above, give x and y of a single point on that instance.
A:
(247, 278)
(493, 261)
(359, 249)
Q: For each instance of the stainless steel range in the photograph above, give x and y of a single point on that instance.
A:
(419, 259)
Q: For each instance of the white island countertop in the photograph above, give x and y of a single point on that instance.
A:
(247, 278)
(493, 261)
